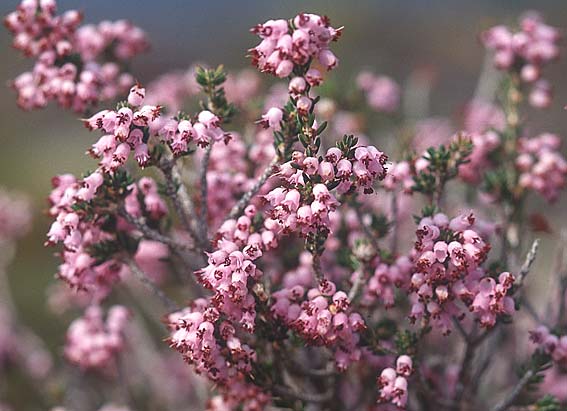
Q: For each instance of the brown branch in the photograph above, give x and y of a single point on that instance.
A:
(516, 391)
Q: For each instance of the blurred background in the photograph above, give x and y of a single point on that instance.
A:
(391, 37)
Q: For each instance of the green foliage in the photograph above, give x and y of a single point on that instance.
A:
(346, 259)
(444, 162)
(548, 403)
(307, 135)
(406, 342)
(315, 242)
(347, 145)
(500, 183)
(539, 363)
(103, 250)
(211, 81)
(427, 211)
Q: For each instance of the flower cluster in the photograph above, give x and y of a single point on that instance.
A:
(483, 123)
(83, 227)
(393, 384)
(307, 201)
(129, 130)
(297, 273)
(231, 265)
(93, 343)
(382, 93)
(79, 268)
(447, 256)
(290, 212)
(152, 205)
(228, 180)
(323, 318)
(479, 159)
(526, 52)
(77, 66)
(194, 333)
(399, 177)
(552, 344)
(240, 395)
(286, 45)
(542, 167)
(492, 299)
(385, 279)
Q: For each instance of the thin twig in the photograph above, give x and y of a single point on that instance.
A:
(464, 373)
(394, 223)
(560, 273)
(239, 207)
(152, 234)
(432, 397)
(486, 361)
(316, 263)
(181, 200)
(311, 372)
(460, 329)
(475, 342)
(356, 286)
(365, 228)
(150, 285)
(530, 257)
(203, 215)
(516, 391)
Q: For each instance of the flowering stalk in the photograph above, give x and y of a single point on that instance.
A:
(312, 286)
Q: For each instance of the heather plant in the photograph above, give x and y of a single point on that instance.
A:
(241, 248)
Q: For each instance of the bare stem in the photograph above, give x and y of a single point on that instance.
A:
(152, 234)
(472, 344)
(182, 202)
(203, 215)
(357, 285)
(151, 286)
(560, 274)
(516, 391)
(317, 267)
(395, 223)
(311, 372)
(365, 228)
(239, 207)
(460, 329)
(530, 257)
(464, 373)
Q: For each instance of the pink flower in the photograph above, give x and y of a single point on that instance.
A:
(93, 343)
(529, 49)
(272, 118)
(136, 96)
